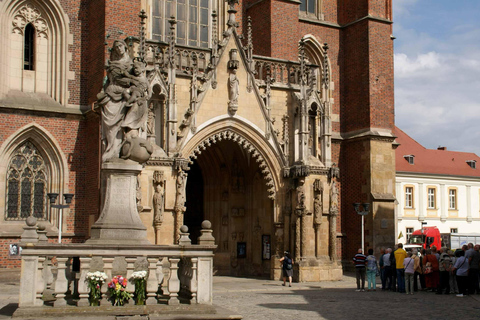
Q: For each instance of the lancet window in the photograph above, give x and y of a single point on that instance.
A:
(29, 48)
(26, 184)
(193, 21)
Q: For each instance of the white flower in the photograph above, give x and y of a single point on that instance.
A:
(139, 275)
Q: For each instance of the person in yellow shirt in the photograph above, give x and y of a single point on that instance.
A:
(400, 255)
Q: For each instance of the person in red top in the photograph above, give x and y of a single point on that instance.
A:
(431, 270)
(359, 260)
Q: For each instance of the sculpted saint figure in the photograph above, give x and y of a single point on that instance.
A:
(124, 106)
(111, 99)
(158, 202)
(181, 180)
(334, 198)
(233, 88)
(317, 209)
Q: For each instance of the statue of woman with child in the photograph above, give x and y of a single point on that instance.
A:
(124, 107)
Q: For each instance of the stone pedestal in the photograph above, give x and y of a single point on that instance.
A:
(119, 222)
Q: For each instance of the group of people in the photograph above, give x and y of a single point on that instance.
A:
(442, 271)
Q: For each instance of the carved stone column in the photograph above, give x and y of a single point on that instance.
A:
(173, 282)
(333, 236)
(298, 232)
(61, 285)
(180, 203)
(152, 282)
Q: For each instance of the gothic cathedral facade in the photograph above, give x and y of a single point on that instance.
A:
(268, 118)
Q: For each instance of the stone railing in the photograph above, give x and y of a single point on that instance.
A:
(175, 274)
(282, 72)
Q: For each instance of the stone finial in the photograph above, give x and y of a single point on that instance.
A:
(206, 238)
(42, 232)
(184, 236)
(29, 234)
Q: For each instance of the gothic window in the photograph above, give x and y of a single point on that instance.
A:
(26, 184)
(29, 47)
(311, 8)
(193, 21)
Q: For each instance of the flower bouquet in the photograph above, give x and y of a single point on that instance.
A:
(117, 291)
(139, 278)
(94, 282)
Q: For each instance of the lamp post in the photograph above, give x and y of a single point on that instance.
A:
(53, 198)
(363, 213)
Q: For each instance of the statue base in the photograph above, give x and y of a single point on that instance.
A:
(119, 222)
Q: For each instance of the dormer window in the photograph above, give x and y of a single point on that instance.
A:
(409, 158)
(472, 163)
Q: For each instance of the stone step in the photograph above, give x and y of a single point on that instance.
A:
(152, 312)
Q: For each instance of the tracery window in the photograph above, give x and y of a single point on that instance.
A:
(26, 184)
(193, 21)
(29, 48)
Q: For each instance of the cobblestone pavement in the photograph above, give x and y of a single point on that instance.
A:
(267, 300)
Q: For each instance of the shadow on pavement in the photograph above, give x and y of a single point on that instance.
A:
(9, 309)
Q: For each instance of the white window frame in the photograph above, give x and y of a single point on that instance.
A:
(408, 233)
(431, 194)
(452, 199)
(409, 197)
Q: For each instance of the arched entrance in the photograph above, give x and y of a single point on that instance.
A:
(226, 186)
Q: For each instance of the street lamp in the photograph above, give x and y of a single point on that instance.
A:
(53, 198)
(363, 213)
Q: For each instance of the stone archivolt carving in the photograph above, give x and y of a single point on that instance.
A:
(29, 14)
(230, 135)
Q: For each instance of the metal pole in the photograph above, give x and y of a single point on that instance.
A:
(60, 225)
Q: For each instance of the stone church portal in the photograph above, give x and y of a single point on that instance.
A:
(225, 185)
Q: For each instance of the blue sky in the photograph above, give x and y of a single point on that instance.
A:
(437, 72)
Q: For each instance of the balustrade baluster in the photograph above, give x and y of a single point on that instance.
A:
(130, 266)
(40, 282)
(82, 284)
(107, 268)
(173, 282)
(61, 284)
(152, 282)
(194, 284)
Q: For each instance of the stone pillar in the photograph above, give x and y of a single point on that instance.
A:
(119, 222)
(174, 282)
(205, 280)
(469, 203)
(28, 279)
(82, 285)
(298, 234)
(152, 282)
(61, 284)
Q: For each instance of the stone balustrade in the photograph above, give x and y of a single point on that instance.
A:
(175, 273)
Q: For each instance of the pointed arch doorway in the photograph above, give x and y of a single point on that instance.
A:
(226, 186)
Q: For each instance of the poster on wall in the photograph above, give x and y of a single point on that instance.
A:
(266, 246)
(14, 250)
(241, 249)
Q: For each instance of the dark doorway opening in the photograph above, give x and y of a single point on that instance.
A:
(194, 215)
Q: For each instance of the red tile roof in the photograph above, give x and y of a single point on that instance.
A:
(432, 161)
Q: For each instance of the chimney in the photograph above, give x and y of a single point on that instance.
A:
(442, 148)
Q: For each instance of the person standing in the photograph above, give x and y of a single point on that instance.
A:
(461, 268)
(382, 269)
(287, 268)
(473, 265)
(422, 275)
(444, 265)
(408, 265)
(359, 260)
(417, 268)
(431, 271)
(400, 255)
(387, 280)
(372, 269)
(452, 278)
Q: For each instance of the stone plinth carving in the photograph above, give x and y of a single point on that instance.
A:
(119, 221)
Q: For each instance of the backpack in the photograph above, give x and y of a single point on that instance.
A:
(288, 264)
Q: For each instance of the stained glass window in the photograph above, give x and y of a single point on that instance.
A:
(26, 184)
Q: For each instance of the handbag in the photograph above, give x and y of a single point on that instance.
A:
(428, 268)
